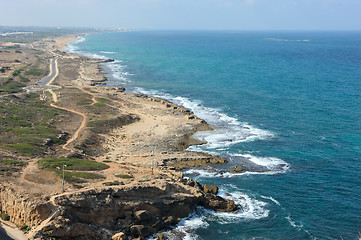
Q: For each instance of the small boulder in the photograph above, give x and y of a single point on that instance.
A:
(237, 169)
(218, 203)
(213, 189)
(142, 215)
(139, 231)
(120, 89)
(160, 236)
(119, 236)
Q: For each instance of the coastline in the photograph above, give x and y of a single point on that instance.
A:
(151, 150)
(98, 76)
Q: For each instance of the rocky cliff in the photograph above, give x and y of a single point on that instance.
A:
(135, 211)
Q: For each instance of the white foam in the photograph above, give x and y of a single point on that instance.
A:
(252, 209)
(117, 72)
(185, 228)
(106, 52)
(299, 227)
(272, 199)
(293, 223)
(71, 47)
(227, 130)
(271, 163)
(199, 173)
(288, 40)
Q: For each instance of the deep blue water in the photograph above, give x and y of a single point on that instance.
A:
(289, 107)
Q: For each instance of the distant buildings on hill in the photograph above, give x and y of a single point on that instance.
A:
(15, 34)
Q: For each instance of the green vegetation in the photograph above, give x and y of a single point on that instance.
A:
(76, 170)
(102, 100)
(16, 72)
(5, 217)
(12, 47)
(85, 102)
(76, 164)
(114, 183)
(9, 85)
(35, 72)
(9, 164)
(17, 51)
(23, 79)
(12, 162)
(124, 176)
(29, 132)
(24, 227)
(103, 126)
(80, 177)
(99, 105)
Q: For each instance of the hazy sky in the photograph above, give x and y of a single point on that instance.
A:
(185, 14)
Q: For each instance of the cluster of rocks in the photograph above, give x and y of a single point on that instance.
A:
(189, 162)
(136, 211)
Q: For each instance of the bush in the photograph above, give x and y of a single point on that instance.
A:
(84, 102)
(114, 183)
(16, 72)
(99, 105)
(5, 217)
(102, 100)
(124, 176)
(13, 162)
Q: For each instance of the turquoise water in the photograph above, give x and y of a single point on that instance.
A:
(288, 109)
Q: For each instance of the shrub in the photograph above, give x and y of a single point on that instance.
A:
(5, 217)
(124, 176)
(84, 102)
(16, 72)
(102, 100)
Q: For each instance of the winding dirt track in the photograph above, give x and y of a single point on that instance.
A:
(76, 134)
(55, 99)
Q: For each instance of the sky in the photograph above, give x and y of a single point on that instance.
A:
(185, 14)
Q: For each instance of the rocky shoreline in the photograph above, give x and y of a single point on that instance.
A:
(136, 207)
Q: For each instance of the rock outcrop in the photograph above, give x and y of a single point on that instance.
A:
(213, 189)
(22, 209)
(237, 169)
(134, 211)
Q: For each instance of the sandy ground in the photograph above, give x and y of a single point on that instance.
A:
(61, 42)
(12, 231)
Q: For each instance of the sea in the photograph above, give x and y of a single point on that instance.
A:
(285, 105)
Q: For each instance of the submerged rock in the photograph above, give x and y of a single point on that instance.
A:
(237, 169)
